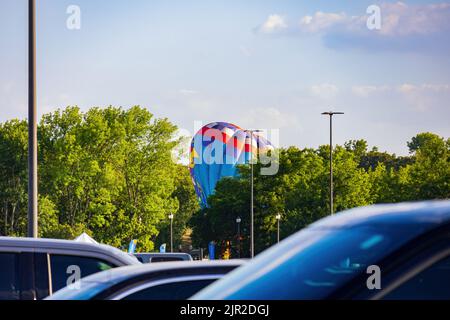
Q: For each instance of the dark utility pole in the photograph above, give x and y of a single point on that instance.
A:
(32, 124)
(331, 114)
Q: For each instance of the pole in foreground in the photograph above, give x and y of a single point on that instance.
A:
(252, 232)
(331, 113)
(32, 124)
(238, 221)
(278, 217)
(171, 231)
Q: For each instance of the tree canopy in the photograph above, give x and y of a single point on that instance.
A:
(300, 189)
(109, 172)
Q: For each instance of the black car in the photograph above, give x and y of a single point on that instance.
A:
(399, 251)
(158, 281)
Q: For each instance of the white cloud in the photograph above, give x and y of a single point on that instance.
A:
(405, 88)
(397, 19)
(421, 97)
(187, 92)
(321, 21)
(269, 118)
(427, 87)
(325, 90)
(365, 91)
(403, 26)
(402, 20)
(437, 87)
(274, 23)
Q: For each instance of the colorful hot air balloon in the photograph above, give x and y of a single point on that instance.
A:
(216, 150)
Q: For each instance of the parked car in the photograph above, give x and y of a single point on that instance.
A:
(399, 251)
(160, 281)
(35, 268)
(162, 257)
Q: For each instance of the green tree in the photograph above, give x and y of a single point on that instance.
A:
(188, 205)
(429, 176)
(13, 177)
(108, 172)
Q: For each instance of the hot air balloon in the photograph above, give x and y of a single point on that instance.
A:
(216, 150)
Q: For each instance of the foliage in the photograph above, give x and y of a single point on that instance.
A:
(109, 172)
(300, 189)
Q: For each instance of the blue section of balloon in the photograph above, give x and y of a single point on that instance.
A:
(216, 150)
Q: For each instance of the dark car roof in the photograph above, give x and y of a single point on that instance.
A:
(426, 212)
(120, 274)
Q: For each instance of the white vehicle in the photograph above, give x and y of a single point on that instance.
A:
(33, 269)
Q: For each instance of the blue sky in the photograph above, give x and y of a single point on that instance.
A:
(272, 64)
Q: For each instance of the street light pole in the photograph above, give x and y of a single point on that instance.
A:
(278, 216)
(252, 230)
(238, 221)
(32, 124)
(171, 231)
(331, 113)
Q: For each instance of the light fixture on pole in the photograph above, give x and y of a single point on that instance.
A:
(331, 114)
(32, 124)
(171, 231)
(252, 230)
(238, 221)
(278, 217)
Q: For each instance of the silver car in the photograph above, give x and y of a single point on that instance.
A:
(33, 269)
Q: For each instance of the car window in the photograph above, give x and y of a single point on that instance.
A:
(432, 283)
(171, 291)
(9, 284)
(65, 266)
(166, 259)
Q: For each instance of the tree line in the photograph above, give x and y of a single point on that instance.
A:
(110, 172)
(300, 189)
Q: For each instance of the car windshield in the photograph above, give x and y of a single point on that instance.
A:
(310, 265)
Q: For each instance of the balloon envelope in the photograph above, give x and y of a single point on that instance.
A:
(216, 150)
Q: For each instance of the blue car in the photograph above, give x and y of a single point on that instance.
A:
(393, 252)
